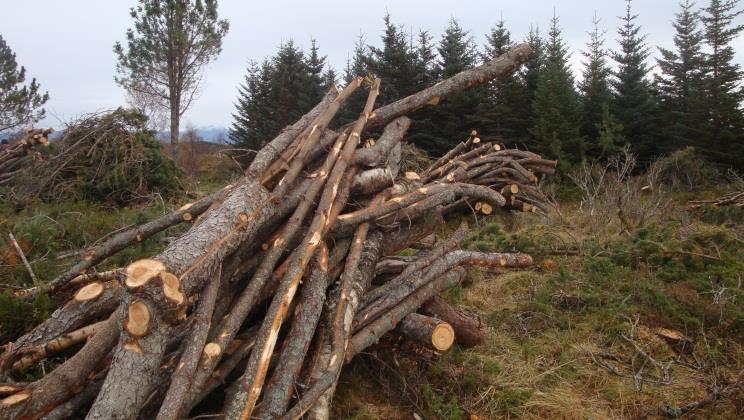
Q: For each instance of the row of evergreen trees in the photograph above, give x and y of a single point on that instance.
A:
(693, 99)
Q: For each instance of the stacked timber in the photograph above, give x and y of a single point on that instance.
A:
(275, 287)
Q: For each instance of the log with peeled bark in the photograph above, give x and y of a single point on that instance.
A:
(427, 331)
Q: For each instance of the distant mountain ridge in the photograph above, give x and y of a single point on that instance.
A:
(209, 133)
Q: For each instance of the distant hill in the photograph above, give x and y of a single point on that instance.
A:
(210, 133)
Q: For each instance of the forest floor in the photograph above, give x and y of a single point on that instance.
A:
(612, 322)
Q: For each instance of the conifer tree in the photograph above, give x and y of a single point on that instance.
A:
(530, 76)
(424, 122)
(502, 110)
(680, 86)
(595, 93)
(167, 51)
(317, 77)
(556, 105)
(633, 104)
(291, 85)
(19, 104)
(277, 93)
(425, 62)
(357, 65)
(253, 120)
(394, 63)
(724, 92)
(534, 66)
(456, 116)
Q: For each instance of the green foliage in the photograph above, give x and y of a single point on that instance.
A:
(19, 104)
(723, 82)
(276, 93)
(171, 43)
(633, 104)
(107, 157)
(597, 125)
(504, 110)
(680, 84)
(438, 406)
(18, 315)
(510, 400)
(556, 104)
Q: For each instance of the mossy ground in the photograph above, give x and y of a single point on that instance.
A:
(578, 336)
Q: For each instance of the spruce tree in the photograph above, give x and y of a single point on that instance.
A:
(457, 50)
(633, 104)
(424, 62)
(424, 123)
(723, 88)
(394, 63)
(501, 111)
(253, 120)
(19, 104)
(317, 78)
(357, 65)
(456, 116)
(680, 85)
(530, 76)
(556, 106)
(276, 94)
(595, 93)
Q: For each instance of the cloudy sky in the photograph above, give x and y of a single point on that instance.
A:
(67, 45)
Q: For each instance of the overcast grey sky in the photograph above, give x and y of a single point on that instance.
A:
(67, 45)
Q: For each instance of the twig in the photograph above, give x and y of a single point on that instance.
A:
(23, 258)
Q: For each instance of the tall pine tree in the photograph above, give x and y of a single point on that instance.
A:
(276, 94)
(556, 105)
(394, 63)
(723, 83)
(501, 111)
(253, 119)
(456, 116)
(531, 74)
(633, 103)
(317, 77)
(595, 93)
(680, 84)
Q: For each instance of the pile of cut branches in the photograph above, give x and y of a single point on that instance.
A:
(282, 279)
(735, 198)
(103, 157)
(15, 157)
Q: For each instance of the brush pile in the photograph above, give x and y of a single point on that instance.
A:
(15, 157)
(283, 277)
(734, 198)
(102, 157)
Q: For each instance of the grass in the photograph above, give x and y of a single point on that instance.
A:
(563, 338)
(575, 337)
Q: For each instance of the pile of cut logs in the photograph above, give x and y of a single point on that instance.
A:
(14, 156)
(283, 277)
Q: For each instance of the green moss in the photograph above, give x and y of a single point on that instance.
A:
(511, 400)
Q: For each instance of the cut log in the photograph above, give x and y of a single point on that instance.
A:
(469, 331)
(427, 331)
